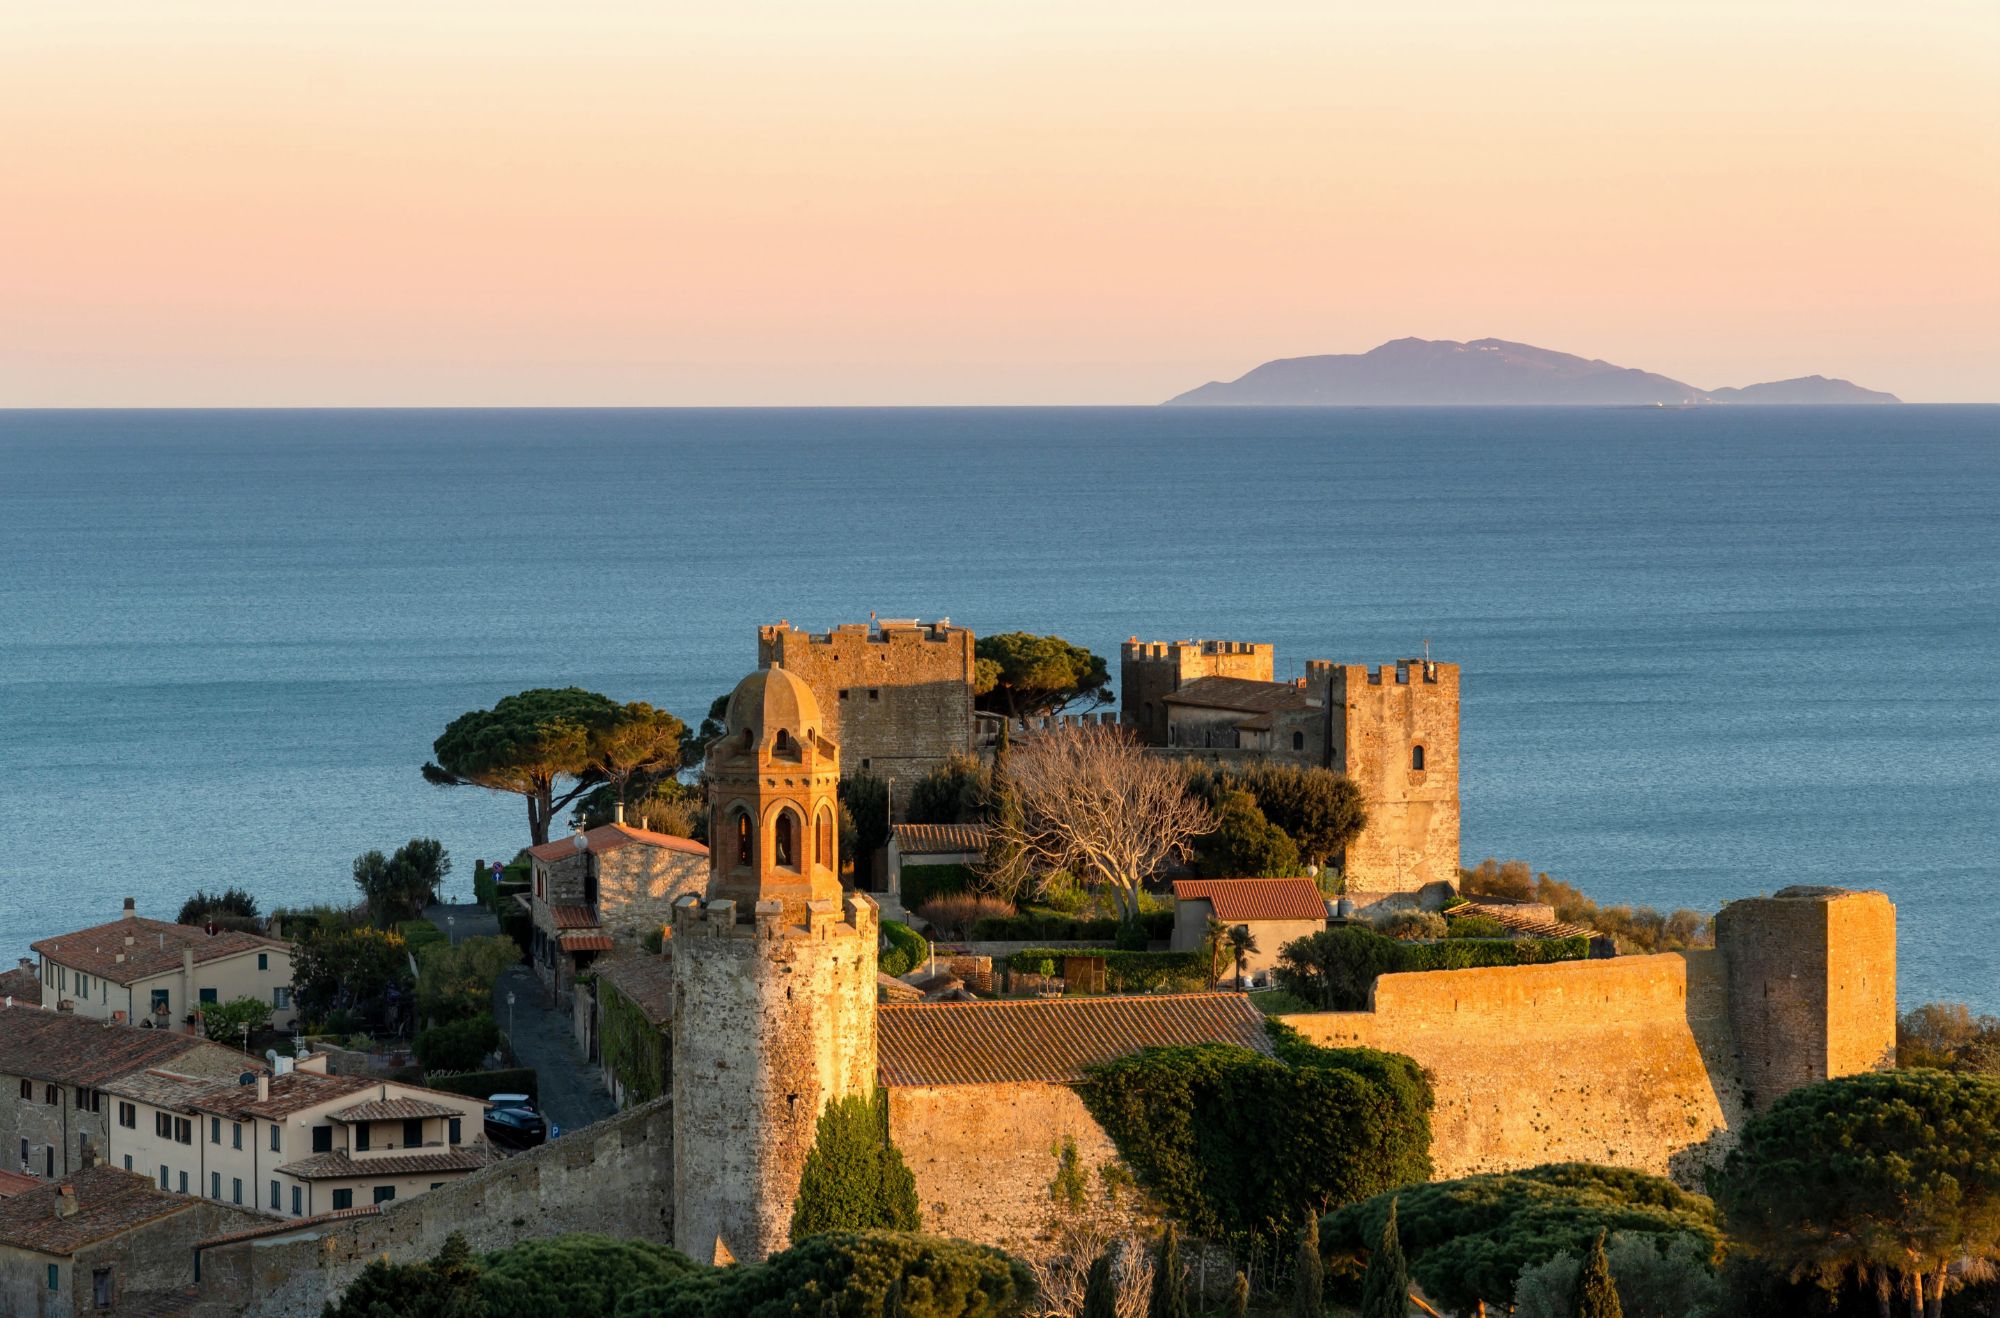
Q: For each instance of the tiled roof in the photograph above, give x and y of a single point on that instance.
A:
(12, 1183)
(1530, 922)
(165, 1089)
(77, 1050)
(155, 948)
(21, 985)
(585, 942)
(337, 1166)
(395, 1109)
(290, 1225)
(1252, 697)
(645, 980)
(573, 917)
(610, 837)
(1238, 901)
(939, 839)
(109, 1201)
(176, 1302)
(294, 1091)
(1052, 1040)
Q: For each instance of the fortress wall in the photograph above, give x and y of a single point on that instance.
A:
(1594, 1061)
(920, 714)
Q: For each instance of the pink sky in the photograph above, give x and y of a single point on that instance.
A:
(227, 202)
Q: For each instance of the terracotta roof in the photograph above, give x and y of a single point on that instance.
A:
(337, 1166)
(21, 985)
(589, 942)
(644, 980)
(1532, 923)
(1238, 901)
(573, 917)
(939, 839)
(610, 837)
(394, 1109)
(1252, 697)
(179, 1302)
(12, 1183)
(1052, 1040)
(77, 1050)
(294, 1091)
(109, 1202)
(289, 1225)
(167, 1089)
(155, 948)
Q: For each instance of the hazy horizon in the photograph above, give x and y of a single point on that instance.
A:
(893, 203)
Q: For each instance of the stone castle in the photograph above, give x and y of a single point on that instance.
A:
(896, 694)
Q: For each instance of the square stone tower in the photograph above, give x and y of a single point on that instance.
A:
(1150, 671)
(896, 694)
(1394, 731)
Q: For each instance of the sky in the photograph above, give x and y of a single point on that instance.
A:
(819, 202)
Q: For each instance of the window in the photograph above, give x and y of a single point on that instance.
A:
(100, 1288)
(820, 831)
(361, 1136)
(322, 1139)
(590, 881)
(874, 693)
(281, 998)
(27, 1091)
(297, 1209)
(55, 1277)
(743, 851)
(413, 1134)
(215, 1185)
(437, 1185)
(785, 836)
(163, 1125)
(215, 1130)
(783, 744)
(342, 1199)
(51, 1096)
(163, 1176)
(82, 985)
(1298, 741)
(276, 1202)
(1416, 757)
(236, 1136)
(160, 1004)
(236, 1189)
(275, 1128)
(128, 1162)
(49, 1162)
(62, 978)
(455, 1132)
(128, 1115)
(208, 997)
(24, 1155)
(384, 1193)
(184, 1182)
(263, 961)
(183, 1131)
(843, 693)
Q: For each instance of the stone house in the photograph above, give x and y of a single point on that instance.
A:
(630, 987)
(153, 973)
(932, 844)
(101, 1241)
(295, 1144)
(55, 1116)
(594, 890)
(1283, 720)
(1275, 911)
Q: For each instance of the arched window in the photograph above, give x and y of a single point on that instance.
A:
(822, 851)
(1416, 757)
(785, 840)
(743, 847)
(1298, 741)
(784, 745)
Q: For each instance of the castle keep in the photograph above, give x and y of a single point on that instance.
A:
(896, 695)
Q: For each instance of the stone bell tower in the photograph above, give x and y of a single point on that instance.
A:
(774, 977)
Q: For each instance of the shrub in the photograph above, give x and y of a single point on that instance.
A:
(924, 883)
(1411, 926)
(458, 1046)
(1336, 968)
(956, 916)
(574, 1276)
(1319, 810)
(420, 934)
(956, 792)
(485, 1084)
(1636, 930)
(853, 1178)
(1127, 972)
(1244, 844)
(906, 951)
(1476, 926)
(1237, 1144)
(1948, 1037)
(1038, 924)
(456, 983)
(851, 1275)
(232, 908)
(225, 1020)
(1657, 1277)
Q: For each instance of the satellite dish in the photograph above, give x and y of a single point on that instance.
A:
(247, 1078)
(582, 842)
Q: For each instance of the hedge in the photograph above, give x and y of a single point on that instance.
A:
(1039, 924)
(420, 934)
(485, 1084)
(848, 1275)
(920, 883)
(459, 1046)
(1336, 968)
(1127, 972)
(906, 951)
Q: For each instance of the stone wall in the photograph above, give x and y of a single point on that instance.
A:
(613, 1178)
(637, 887)
(1149, 671)
(1411, 840)
(897, 700)
(152, 1257)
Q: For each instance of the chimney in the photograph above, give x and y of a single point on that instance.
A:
(131, 909)
(65, 1201)
(129, 940)
(28, 967)
(263, 1086)
(618, 812)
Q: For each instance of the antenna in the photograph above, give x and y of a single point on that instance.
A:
(1427, 649)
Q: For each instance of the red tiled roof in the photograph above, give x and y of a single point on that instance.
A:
(586, 942)
(337, 1166)
(22, 986)
(939, 839)
(1053, 1040)
(1239, 901)
(610, 837)
(109, 1202)
(290, 1225)
(77, 1050)
(1242, 693)
(572, 917)
(1532, 923)
(155, 948)
(12, 1183)
(643, 979)
(294, 1091)
(394, 1109)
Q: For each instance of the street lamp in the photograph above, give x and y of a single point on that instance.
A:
(451, 929)
(510, 1018)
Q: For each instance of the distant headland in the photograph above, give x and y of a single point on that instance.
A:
(1488, 373)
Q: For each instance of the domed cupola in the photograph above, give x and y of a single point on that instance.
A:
(773, 825)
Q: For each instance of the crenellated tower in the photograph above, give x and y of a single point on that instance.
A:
(774, 976)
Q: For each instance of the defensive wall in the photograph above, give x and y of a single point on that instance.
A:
(1150, 671)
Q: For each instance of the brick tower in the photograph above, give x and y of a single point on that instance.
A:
(774, 977)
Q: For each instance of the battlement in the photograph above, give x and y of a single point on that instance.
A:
(855, 916)
(880, 631)
(1138, 651)
(1407, 671)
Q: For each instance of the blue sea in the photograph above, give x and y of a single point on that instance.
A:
(1706, 653)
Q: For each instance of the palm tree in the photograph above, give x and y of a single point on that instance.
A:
(1245, 943)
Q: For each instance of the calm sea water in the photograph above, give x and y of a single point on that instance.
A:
(1707, 653)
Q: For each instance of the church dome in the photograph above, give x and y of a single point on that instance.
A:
(770, 701)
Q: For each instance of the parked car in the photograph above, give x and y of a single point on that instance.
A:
(513, 1123)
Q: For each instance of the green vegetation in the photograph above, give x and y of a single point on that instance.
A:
(850, 1275)
(1476, 926)
(1169, 1278)
(1041, 922)
(1244, 844)
(1884, 1175)
(1125, 972)
(634, 1049)
(568, 1276)
(906, 951)
(461, 1045)
(1335, 968)
(1026, 677)
(529, 743)
(925, 883)
(1597, 1294)
(420, 934)
(1656, 1277)
(1317, 810)
(399, 887)
(1237, 1144)
(1100, 1292)
(1410, 926)
(226, 1021)
(1385, 1288)
(864, 819)
(1640, 929)
(957, 792)
(232, 908)
(1946, 1036)
(854, 1179)
(958, 915)
(1309, 1274)
(1469, 1240)
(456, 982)
(338, 967)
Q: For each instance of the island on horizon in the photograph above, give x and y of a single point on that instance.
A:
(1415, 372)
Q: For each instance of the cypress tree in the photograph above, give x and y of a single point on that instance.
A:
(1239, 1298)
(1385, 1291)
(1309, 1276)
(854, 1178)
(1596, 1292)
(1100, 1295)
(1169, 1293)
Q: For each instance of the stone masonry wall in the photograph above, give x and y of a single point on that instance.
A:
(1411, 840)
(1594, 1061)
(614, 1178)
(638, 885)
(897, 701)
(1149, 671)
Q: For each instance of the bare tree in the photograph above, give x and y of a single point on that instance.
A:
(1094, 802)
